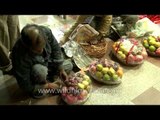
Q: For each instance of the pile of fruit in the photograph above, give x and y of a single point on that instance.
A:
(77, 89)
(129, 51)
(106, 71)
(152, 45)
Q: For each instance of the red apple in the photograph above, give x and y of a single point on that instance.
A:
(158, 51)
(131, 58)
(139, 58)
(71, 99)
(83, 95)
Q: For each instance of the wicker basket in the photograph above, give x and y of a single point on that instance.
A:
(97, 51)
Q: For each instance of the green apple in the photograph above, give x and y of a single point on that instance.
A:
(105, 70)
(122, 48)
(99, 67)
(115, 77)
(151, 38)
(120, 52)
(85, 83)
(157, 44)
(81, 86)
(125, 52)
(152, 48)
(85, 77)
(152, 42)
(111, 71)
(99, 75)
(123, 56)
(106, 77)
(146, 45)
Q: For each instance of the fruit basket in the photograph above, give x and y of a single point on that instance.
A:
(152, 45)
(97, 50)
(129, 51)
(106, 71)
(77, 89)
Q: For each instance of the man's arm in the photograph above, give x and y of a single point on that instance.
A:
(56, 53)
(22, 72)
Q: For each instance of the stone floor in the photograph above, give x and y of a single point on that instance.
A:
(140, 84)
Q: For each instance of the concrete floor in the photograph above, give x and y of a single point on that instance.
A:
(140, 84)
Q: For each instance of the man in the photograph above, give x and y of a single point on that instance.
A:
(9, 30)
(36, 54)
(101, 23)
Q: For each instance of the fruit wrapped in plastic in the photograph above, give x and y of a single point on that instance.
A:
(77, 88)
(129, 51)
(152, 45)
(106, 71)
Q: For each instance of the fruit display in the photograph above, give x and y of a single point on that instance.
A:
(77, 89)
(129, 51)
(106, 71)
(152, 45)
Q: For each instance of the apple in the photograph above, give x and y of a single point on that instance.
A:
(105, 70)
(131, 58)
(152, 42)
(158, 51)
(81, 86)
(106, 77)
(88, 88)
(82, 95)
(99, 67)
(123, 56)
(151, 38)
(99, 75)
(157, 44)
(146, 45)
(139, 58)
(115, 77)
(152, 48)
(71, 99)
(85, 83)
(119, 53)
(111, 71)
(86, 77)
(145, 41)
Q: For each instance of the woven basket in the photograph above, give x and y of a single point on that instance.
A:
(97, 51)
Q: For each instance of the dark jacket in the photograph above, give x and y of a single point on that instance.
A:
(23, 60)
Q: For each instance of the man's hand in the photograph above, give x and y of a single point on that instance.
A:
(63, 74)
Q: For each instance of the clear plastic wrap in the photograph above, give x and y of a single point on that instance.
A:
(129, 51)
(77, 89)
(152, 45)
(106, 71)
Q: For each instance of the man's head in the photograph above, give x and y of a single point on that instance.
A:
(34, 38)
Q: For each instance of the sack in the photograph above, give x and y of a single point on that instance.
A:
(83, 33)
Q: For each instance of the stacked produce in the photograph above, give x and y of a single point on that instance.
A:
(152, 45)
(129, 51)
(77, 89)
(106, 71)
